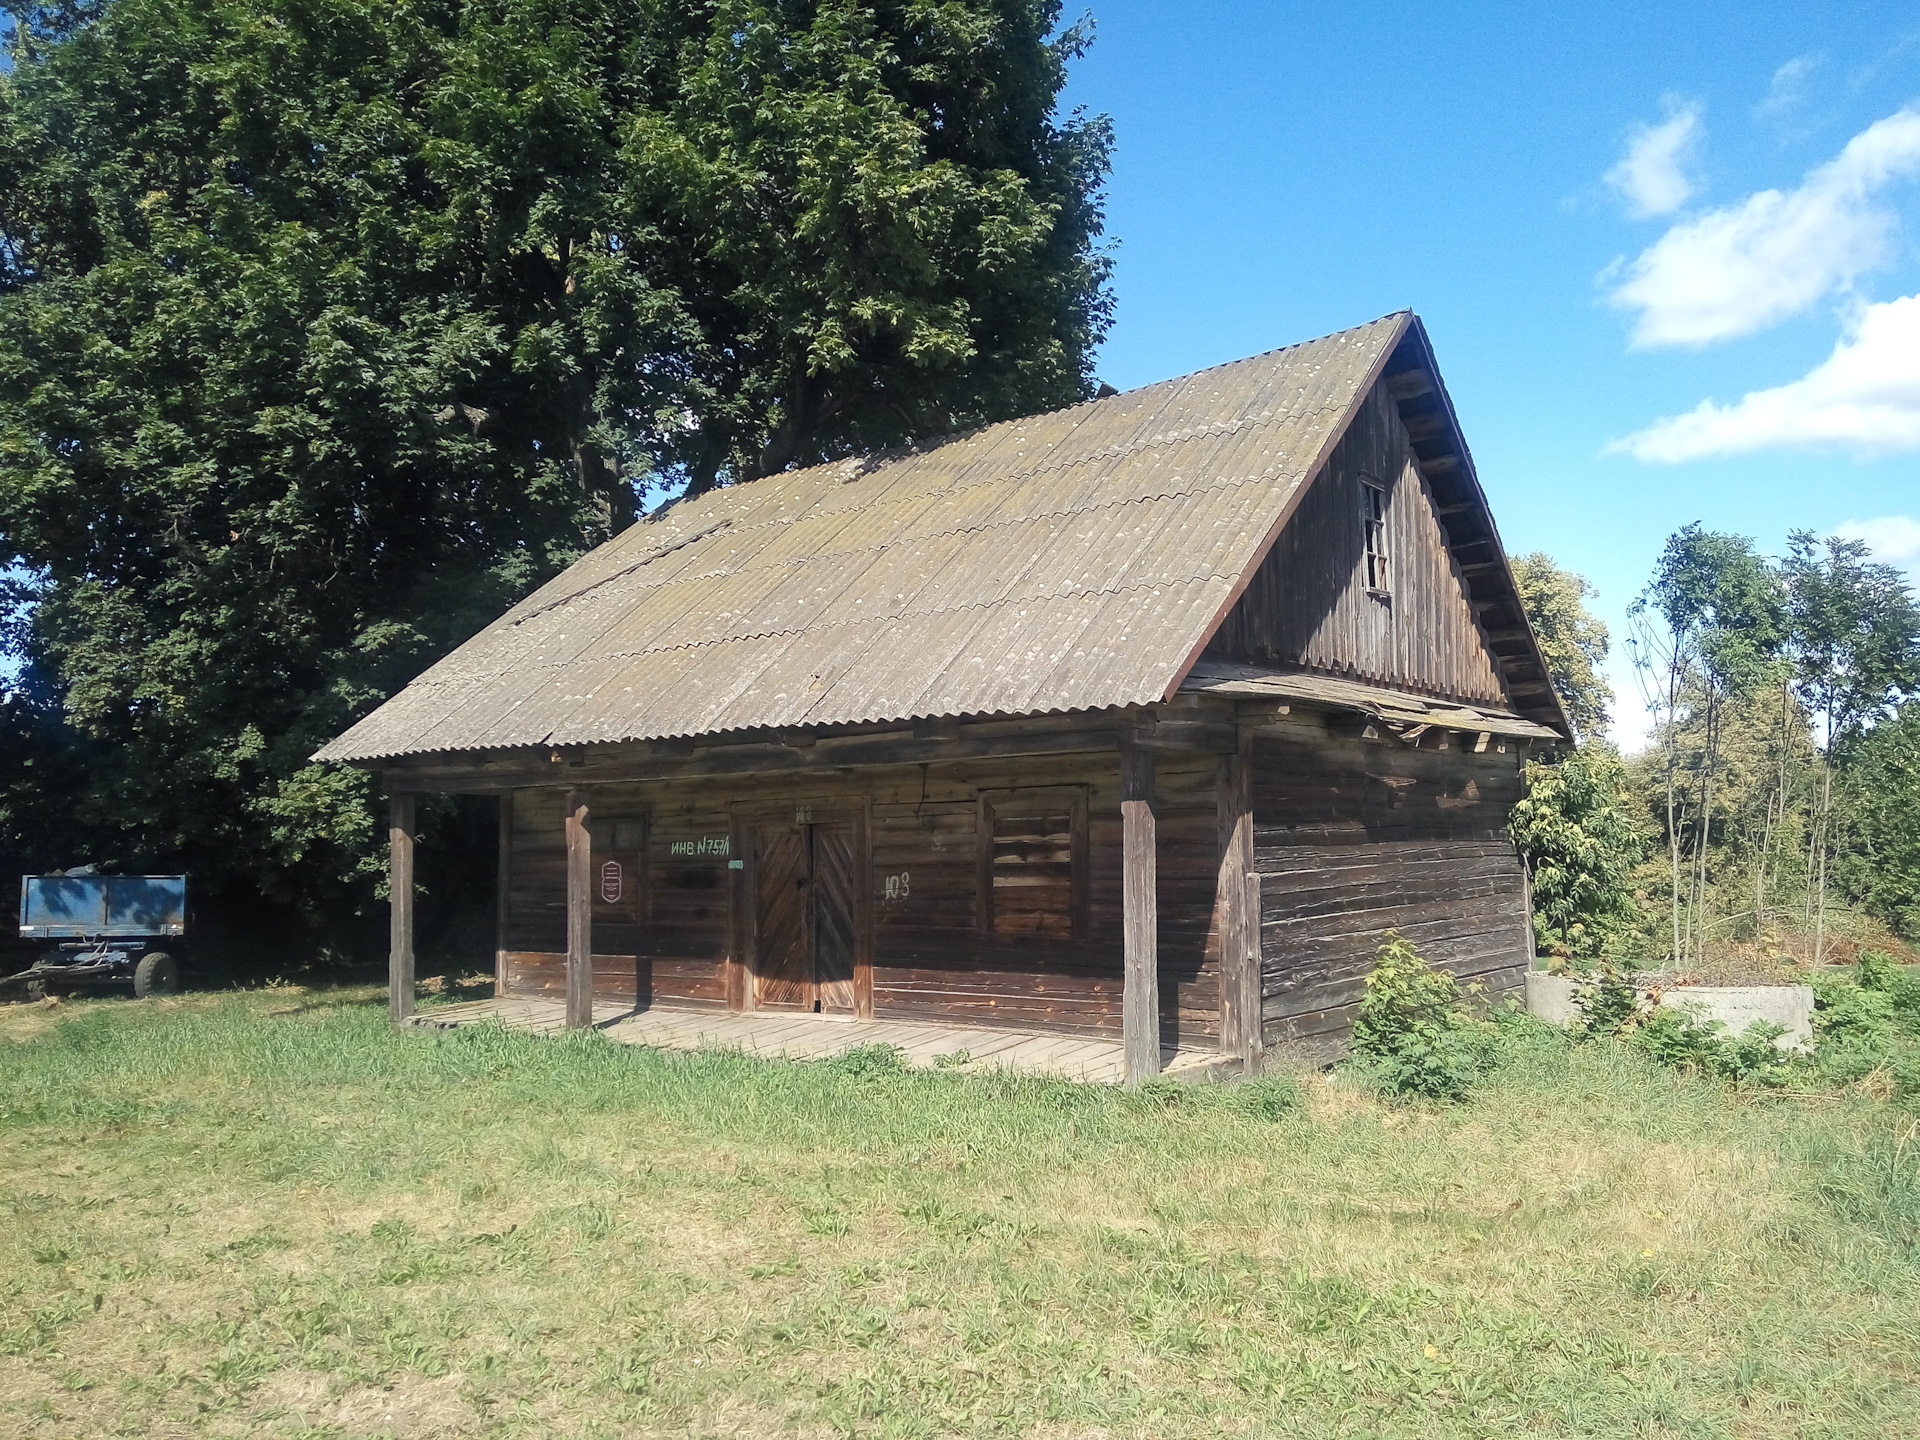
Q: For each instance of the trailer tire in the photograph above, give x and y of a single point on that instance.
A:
(156, 974)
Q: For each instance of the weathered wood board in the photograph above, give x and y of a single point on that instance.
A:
(1355, 838)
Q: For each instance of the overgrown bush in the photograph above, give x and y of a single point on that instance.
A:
(1866, 1026)
(1607, 1001)
(1413, 1034)
(1682, 1042)
(1847, 1011)
(1577, 834)
(1612, 1008)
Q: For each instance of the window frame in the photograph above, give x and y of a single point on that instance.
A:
(1375, 559)
(1028, 798)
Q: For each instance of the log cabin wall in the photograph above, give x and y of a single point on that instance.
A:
(948, 943)
(1353, 838)
(1309, 605)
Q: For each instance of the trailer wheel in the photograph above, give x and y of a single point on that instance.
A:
(156, 974)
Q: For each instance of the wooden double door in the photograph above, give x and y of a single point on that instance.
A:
(809, 938)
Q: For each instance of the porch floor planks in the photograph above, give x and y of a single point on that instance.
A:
(791, 1036)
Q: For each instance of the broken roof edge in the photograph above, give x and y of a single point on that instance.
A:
(1230, 680)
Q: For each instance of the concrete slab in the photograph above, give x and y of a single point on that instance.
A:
(1555, 999)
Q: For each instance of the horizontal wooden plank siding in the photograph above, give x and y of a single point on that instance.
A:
(932, 956)
(1355, 838)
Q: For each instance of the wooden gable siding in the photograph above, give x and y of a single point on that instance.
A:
(1355, 838)
(1308, 605)
(934, 954)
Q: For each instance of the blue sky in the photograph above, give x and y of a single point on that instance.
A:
(1572, 197)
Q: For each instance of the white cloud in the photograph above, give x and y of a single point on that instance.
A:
(1865, 397)
(1789, 85)
(1651, 176)
(1894, 539)
(1742, 267)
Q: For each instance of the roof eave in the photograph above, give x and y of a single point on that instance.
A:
(1473, 539)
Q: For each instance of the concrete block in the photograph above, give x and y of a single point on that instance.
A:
(1555, 999)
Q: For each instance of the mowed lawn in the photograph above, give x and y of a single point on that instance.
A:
(267, 1214)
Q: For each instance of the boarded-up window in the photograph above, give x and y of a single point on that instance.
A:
(1033, 861)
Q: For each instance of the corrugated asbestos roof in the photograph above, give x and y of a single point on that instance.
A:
(1070, 561)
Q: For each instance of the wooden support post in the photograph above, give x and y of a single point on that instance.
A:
(1238, 925)
(1140, 1001)
(579, 913)
(400, 817)
(1256, 976)
(503, 892)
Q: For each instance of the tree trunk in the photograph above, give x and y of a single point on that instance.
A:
(1820, 905)
(1708, 764)
(1673, 835)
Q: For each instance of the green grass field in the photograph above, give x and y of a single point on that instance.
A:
(267, 1214)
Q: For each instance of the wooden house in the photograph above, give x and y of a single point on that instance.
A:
(1144, 719)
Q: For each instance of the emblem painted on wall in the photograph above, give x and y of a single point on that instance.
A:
(613, 882)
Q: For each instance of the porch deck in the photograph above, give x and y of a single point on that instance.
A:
(815, 1037)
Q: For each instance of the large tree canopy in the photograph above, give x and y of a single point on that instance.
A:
(328, 326)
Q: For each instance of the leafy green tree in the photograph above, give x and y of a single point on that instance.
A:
(328, 327)
(1711, 625)
(1575, 830)
(1855, 634)
(1573, 641)
(1856, 655)
(876, 226)
(1877, 859)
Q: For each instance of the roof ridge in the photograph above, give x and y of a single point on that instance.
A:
(939, 442)
(800, 562)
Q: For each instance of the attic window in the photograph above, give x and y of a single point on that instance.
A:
(1373, 520)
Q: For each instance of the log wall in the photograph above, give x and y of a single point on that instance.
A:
(937, 952)
(1353, 838)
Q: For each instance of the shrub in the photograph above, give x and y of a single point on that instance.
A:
(1675, 1039)
(867, 1062)
(1848, 1013)
(1880, 972)
(1576, 832)
(1413, 1034)
(1608, 1002)
(1678, 1040)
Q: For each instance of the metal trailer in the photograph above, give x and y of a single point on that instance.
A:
(102, 930)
